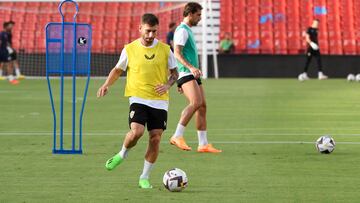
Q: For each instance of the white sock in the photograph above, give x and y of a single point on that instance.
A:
(202, 135)
(179, 131)
(320, 73)
(17, 71)
(1, 72)
(147, 169)
(11, 78)
(123, 152)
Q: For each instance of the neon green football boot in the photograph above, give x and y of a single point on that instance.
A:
(144, 184)
(113, 162)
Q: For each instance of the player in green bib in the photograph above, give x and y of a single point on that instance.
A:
(189, 82)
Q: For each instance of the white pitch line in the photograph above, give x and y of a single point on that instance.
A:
(217, 133)
(51, 133)
(267, 142)
(297, 128)
(215, 142)
(256, 129)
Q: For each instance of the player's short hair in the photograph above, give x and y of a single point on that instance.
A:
(316, 20)
(192, 7)
(150, 19)
(5, 24)
(171, 25)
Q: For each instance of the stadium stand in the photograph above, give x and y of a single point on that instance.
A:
(260, 28)
(276, 27)
(114, 24)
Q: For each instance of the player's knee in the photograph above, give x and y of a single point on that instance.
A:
(155, 139)
(196, 104)
(203, 106)
(136, 134)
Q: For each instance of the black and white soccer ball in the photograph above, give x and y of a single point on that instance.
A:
(351, 77)
(357, 77)
(325, 144)
(175, 180)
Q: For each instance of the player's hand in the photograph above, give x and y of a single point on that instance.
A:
(162, 89)
(314, 46)
(10, 50)
(196, 73)
(180, 90)
(103, 90)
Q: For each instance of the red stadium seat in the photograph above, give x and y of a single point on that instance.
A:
(257, 26)
(295, 25)
(336, 46)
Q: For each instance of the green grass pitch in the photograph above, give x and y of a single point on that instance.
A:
(266, 128)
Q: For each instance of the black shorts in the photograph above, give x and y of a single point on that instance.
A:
(311, 52)
(13, 56)
(153, 118)
(186, 79)
(4, 56)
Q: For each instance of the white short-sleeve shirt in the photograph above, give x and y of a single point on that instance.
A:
(180, 38)
(157, 104)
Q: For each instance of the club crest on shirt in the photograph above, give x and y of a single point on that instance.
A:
(149, 57)
(132, 113)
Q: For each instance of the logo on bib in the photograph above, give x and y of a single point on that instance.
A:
(149, 57)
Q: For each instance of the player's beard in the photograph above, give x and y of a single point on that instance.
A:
(194, 23)
(148, 41)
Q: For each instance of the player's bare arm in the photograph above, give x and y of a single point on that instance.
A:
(163, 88)
(113, 76)
(307, 38)
(178, 55)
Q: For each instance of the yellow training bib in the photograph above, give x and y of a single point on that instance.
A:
(147, 67)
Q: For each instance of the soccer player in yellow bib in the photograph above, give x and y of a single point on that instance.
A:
(147, 62)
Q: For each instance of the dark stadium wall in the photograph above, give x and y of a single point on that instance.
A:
(277, 66)
(281, 66)
(35, 64)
